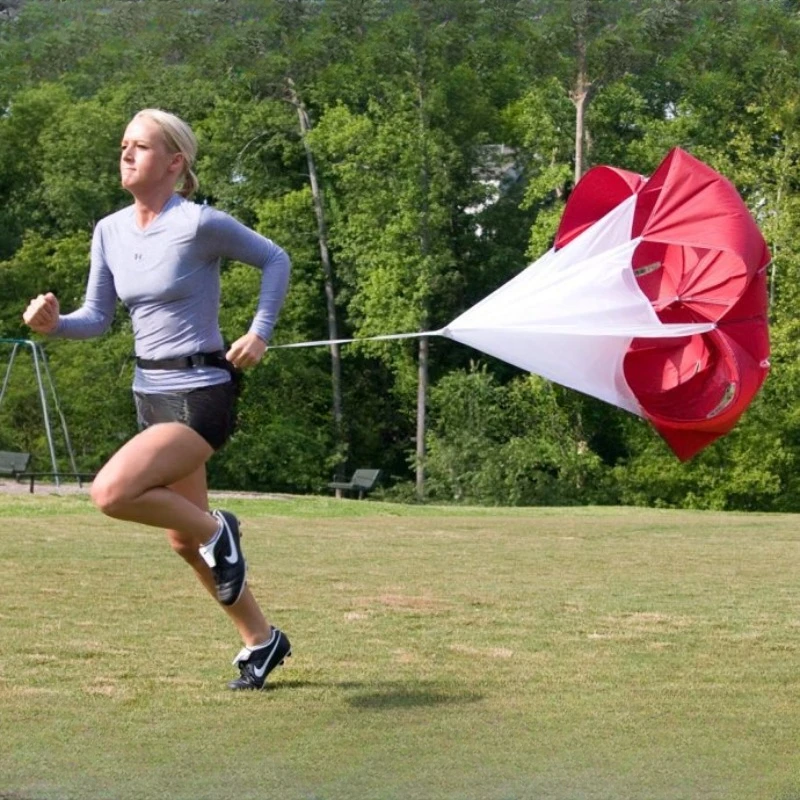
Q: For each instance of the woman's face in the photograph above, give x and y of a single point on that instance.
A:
(145, 163)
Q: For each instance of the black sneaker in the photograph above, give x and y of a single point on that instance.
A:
(256, 663)
(226, 559)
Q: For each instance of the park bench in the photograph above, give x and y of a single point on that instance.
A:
(363, 481)
(80, 477)
(13, 464)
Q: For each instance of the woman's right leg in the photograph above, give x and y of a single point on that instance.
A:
(134, 483)
(245, 614)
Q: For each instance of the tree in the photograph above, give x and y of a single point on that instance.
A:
(392, 176)
(327, 271)
(508, 444)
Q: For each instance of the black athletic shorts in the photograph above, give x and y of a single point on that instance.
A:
(211, 410)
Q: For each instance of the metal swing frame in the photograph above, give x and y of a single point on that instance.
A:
(42, 372)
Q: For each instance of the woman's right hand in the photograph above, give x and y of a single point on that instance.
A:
(42, 313)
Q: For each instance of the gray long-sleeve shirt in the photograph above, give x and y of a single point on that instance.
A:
(168, 278)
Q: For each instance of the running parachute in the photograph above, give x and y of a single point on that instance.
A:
(653, 298)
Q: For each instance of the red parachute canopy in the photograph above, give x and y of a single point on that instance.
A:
(701, 259)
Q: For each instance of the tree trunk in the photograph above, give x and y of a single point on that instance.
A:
(580, 105)
(422, 394)
(327, 269)
(425, 249)
(580, 96)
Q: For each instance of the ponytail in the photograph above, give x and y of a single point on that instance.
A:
(189, 185)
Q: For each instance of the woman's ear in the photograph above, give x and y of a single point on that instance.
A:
(176, 165)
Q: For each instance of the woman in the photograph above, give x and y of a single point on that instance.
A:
(161, 257)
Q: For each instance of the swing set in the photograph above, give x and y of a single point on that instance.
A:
(50, 406)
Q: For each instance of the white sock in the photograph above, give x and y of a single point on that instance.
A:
(213, 540)
(265, 644)
(207, 550)
(247, 651)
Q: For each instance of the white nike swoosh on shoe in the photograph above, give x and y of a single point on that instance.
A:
(234, 556)
(259, 672)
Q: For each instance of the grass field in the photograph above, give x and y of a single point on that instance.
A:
(550, 654)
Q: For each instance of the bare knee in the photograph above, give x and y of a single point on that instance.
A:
(109, 495)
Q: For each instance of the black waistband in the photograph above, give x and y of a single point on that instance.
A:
(216, 359)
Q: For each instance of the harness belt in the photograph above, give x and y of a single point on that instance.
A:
(215, 359)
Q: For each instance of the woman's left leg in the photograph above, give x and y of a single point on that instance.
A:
(245, 614)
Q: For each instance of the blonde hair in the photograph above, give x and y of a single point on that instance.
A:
(179, 138)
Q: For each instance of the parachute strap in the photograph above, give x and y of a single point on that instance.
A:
(384, 338)
(727, 397)
(647, 269)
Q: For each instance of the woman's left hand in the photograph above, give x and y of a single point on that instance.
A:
(246, 351)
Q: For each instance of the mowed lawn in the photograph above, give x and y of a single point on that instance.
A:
(604, 653)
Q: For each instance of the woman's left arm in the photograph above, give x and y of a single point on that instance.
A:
(232, 239)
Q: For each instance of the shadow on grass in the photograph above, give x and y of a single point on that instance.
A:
(401, 697)
(387, 695)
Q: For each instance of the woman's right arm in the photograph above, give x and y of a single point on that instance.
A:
(93, 317)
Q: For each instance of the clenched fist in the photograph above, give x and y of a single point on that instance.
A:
(42, 313)
(246, 351)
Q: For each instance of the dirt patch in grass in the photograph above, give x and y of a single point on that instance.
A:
(483, 652)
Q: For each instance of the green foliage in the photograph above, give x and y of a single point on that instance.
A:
(507, 445)
(393, 171)
(25, 118)
(249, 153)
(280, 445)
(542, 123)
(42, 264)
(79, 151)
(93, 395)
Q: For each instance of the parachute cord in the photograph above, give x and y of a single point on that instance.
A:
(383, 338)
